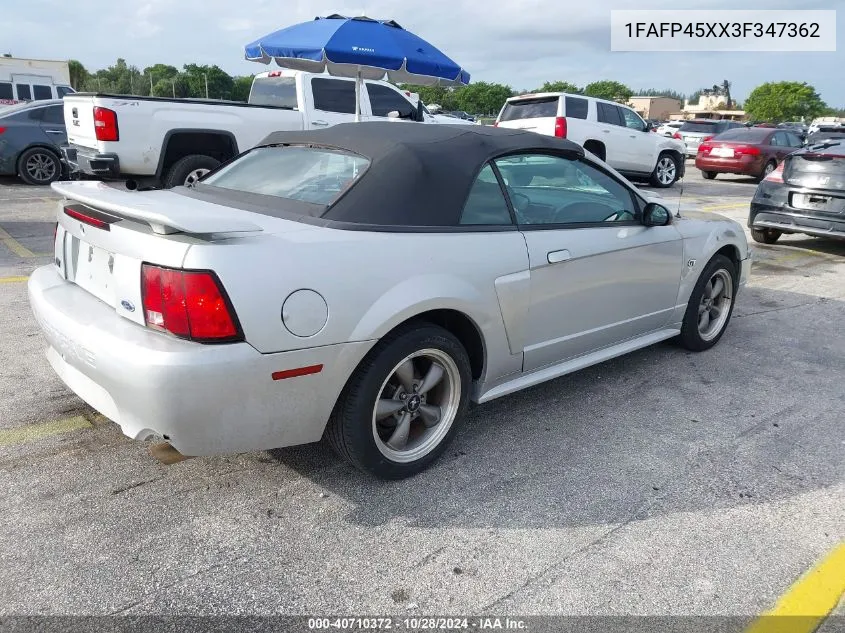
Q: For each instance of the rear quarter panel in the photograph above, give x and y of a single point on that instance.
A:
(371, 282)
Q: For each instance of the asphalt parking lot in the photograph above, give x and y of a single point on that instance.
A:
(663, 483)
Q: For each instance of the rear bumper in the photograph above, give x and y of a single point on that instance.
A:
(782, 219)
(87, 161)
(204, 399)
(746, 165)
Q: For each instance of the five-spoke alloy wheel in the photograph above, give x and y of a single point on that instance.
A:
(710, 305)
(402, 405)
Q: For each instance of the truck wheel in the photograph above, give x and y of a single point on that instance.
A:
(39, 166)
(665, 172)
(187, 170)
(402, 405)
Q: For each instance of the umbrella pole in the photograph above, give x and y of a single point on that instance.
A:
(358, 83)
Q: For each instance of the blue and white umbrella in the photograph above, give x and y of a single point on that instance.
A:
(358, 47)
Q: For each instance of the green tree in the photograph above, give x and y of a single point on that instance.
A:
(784, 101)
(219, 82)
(481, 97)
(558, 86)
(177, 86)
(654, 92)
(78, 74)
(608, 89)
(241, 87)
(695, 97)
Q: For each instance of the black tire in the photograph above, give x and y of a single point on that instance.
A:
(350, 430)
(765, 236)
(39, 166)
(178, 173)
(767, 169)
(654, 179)
(690, 337)
(709, 175)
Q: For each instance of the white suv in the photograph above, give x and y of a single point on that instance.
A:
(613, 132)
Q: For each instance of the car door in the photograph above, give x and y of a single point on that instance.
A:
(598, 276)
(641, 145)
(614, 135)
(53, 125)
(333, 102)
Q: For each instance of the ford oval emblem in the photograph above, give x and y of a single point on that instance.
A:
(128, 305)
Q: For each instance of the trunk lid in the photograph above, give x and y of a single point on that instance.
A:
(105, 234)
(79, 120)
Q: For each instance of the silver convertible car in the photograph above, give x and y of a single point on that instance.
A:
(364, 283)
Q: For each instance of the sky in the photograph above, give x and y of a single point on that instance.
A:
(520, 43)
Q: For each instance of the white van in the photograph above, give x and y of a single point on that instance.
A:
(24, 80)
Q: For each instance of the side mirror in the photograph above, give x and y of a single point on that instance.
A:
(656, 215)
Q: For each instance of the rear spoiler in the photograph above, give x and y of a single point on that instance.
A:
(165, 211)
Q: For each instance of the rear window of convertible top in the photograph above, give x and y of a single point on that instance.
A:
(306, 174)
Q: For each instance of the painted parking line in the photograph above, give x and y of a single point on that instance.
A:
(12, 280)
(41, 430)
(809, 601)
(723, 207)
(17, 248)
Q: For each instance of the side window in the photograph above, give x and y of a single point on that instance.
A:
(333, 95)
(633, 120)
(383, 100)
(608, 113)
(553, 190)
(23, 92)
(777, 139)
(42, 93)
(61, 91)
(576, 108)
(55, 115)
(486, 204)
(794, 140)
(6, 91)
(35, 114)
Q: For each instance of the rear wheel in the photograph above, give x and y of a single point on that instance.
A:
(709, 175)
(39, 166)
(766, 236)
(768, 169)
(402, 405)
(710, 305)
(187, 170)
(666, 171)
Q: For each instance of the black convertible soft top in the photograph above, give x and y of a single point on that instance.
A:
(419, 174)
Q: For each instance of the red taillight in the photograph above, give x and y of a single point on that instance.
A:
(105, 124)
(747, 150)
(560, 127)
(678, 136)
(777, 174)
(274, 73)
(187, 303)
(704, 148)
(2, 129)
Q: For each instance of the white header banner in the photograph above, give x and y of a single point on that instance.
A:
(723, 30)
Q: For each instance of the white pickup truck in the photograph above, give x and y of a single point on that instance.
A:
(161, 142)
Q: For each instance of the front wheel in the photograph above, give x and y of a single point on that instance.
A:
(666, 171)
(708, 175)
(402, 405)
(710, 305)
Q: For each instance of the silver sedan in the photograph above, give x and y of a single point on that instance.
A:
(365, 283)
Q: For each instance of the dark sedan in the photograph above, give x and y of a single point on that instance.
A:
(30, 136)
(752, 151)
(805, 194)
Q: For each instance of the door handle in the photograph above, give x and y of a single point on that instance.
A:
(55, 131)
(562, 255)
(606, 131)
(320, 123)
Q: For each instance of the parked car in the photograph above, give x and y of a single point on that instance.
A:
(30, 137)
(752, 151)
(805, 194)
(795, 126)
(161, 142)
(669, 128)
(613, 132)
(364, 283)
(696, 131)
